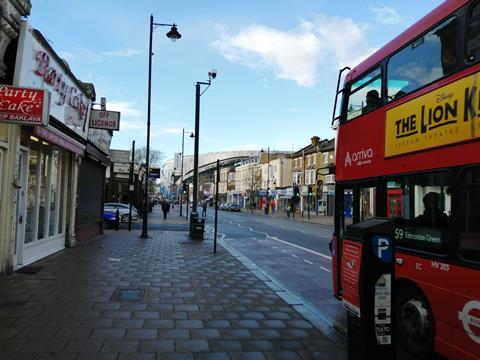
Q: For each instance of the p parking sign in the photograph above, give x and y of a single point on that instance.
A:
(382, 248)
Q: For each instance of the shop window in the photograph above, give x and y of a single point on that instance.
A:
(1, 172)
(30, 222)
(469, 215)
(42, 201)
(54, 190)
(3, 132)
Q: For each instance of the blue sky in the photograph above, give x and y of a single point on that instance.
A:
(277, 63)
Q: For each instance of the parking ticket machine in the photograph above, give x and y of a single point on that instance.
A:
(366, 277)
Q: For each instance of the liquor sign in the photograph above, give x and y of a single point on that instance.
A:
(106, 120)
(24, 105)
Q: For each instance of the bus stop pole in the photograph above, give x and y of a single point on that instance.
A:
(216, 207)
(130, 187)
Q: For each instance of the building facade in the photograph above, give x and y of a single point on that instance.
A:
(52, 173)
(311, 167)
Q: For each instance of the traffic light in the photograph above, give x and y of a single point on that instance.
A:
(184, 188)
(296, 194)
(310, 190)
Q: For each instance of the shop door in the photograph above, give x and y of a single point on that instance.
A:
(21, 184)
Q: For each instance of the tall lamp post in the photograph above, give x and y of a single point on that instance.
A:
(268, 180)
(181, 194)
(211, 75)
(173, 35)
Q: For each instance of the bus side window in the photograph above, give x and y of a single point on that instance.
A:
(472, 38)
(368, 198)
(423, 61)
(420, 206)
(469, 230)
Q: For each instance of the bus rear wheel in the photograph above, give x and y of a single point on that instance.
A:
(414, 323)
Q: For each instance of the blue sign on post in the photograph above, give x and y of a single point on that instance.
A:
(382, 247)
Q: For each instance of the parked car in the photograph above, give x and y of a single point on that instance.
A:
(123, 209)
(234, 207)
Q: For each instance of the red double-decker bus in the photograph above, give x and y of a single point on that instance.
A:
(408, 151)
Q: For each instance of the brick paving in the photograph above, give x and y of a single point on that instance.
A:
(193, 305)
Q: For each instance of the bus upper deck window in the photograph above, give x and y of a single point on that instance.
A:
(423, 61)
(365, 94)
(472, 38)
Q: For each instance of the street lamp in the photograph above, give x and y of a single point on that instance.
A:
(181, 195)
(173, 35)
(211, 75)
(268, 179)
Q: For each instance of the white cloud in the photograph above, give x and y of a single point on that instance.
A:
(121, 53)
(127, 108)
(298, 54)
(97, 57)
(160, 131)
(386, 14)
(131, 126)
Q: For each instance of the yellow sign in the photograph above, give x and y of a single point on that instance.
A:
(447, 115)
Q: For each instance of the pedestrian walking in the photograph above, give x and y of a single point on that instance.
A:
(204, 209)
(165, 208)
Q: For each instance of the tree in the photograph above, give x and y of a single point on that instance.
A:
(156, 156)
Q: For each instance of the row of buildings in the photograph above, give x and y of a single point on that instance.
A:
(52, 174)
(303, 179)
(275, 179)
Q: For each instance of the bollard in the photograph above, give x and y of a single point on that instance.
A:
(117, 219)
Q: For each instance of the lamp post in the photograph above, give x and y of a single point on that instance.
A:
(181, 195)
(211, 75)
(268, 180)
(173, 35)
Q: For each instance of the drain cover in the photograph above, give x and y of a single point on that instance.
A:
(129, 295)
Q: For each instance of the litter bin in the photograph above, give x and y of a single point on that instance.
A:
(197, 226)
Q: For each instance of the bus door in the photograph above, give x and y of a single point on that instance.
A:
(355, 202)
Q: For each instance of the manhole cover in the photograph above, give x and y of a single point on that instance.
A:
(129, 295)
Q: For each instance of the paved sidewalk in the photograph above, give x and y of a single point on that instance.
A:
(315, 219)
(193, 305)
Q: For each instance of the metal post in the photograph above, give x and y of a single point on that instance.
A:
(195, 151)
(144, 234)
(181, 195)
(216, 206)
(267, 202)
(186, 204)
(130, 187)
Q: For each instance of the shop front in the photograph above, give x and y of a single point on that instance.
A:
(49, 155)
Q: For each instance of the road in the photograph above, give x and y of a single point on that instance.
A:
(293, 253)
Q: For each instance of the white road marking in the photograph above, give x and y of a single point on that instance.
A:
(300, 247)
(325, 269)
(303, 232)
(275, 247)
(284, 251)
(295, 256)
(308, 262)
(287, 243)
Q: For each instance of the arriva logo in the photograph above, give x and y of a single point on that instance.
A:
(359, 158)
(469, 321)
